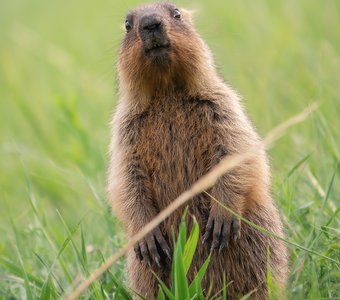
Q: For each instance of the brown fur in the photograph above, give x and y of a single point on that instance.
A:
(175, 120)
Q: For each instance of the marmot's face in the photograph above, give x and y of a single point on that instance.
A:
(154, 31)
(161, 51)
(158, 37)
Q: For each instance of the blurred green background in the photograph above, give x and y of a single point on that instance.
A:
(58, 92)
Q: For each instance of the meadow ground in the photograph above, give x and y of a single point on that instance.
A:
(57, 93)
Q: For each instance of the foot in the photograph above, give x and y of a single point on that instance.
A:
(220, 229)
(151, 249)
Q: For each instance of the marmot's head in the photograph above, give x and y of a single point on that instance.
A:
(161, 49)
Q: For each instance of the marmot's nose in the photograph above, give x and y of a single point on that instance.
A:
(150, 23)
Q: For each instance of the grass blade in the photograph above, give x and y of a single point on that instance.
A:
(330, 185)
(300, 163)
(19, 272)
(190, 246)
(29, 293)
(180, 282)
(47, 290)
(193, 288)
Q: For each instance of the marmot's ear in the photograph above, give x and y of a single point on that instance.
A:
(188, 14)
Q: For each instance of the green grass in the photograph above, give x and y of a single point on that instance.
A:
(57, 93)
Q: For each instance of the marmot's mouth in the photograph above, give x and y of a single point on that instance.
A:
(156, 46)
(158, 49)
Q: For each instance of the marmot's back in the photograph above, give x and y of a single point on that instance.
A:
(175, 120)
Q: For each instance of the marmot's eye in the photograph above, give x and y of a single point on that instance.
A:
(177, 14)
(128, 26)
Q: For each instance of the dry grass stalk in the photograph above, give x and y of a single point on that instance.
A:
(204, 183)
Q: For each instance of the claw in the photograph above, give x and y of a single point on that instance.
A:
(208, 229)
(150, 249)
(236, 229)
(147, 260)
(140, 258)
(139, 255)
(221, 230)
(214, 245)
(205, 237)
(157, 261)
(167, 253)
(162, 243)
(222, 246)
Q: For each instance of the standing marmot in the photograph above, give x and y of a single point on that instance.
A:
(175, 120)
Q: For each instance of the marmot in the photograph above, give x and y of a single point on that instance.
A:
(175, 120)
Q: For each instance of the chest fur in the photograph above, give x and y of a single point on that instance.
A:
(174, 144)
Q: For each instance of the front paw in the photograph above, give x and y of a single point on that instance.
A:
(153, 249)
(220, 230)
